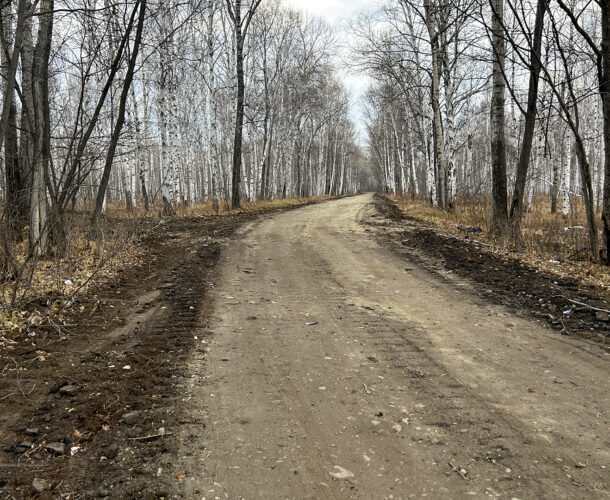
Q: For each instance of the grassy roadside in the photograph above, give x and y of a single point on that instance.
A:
(568, 303)
(551, 243)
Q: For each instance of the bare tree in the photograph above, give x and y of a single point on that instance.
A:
(120, 120)
(240, 25)
(499, 215)
(516, 208)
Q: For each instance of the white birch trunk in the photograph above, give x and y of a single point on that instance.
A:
(566, 173)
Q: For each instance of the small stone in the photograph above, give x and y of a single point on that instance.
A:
(19, 447)
(112, 451)
(103, 493)
(602, 316)
(56, 448)
(134, 432)
(132, 417)
(36, 320)
(31, 431)
(341, 473)
(68, 390)
(58, 386)
(41, 485)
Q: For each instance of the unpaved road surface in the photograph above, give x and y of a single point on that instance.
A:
(409, 381)
(339, 370)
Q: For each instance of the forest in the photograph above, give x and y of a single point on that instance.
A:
(162, 103)
(498, 101)
(176, 103)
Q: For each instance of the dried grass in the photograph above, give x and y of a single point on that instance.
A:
(56, 280)
(550, 242)
(118, 210)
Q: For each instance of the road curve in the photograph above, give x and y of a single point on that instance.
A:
(339, 370)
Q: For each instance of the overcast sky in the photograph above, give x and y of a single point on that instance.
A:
(334, 11)
(338, 13)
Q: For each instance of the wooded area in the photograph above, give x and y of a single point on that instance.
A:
(179, 102)
(156, 104)
(492, 98)
(249, 250)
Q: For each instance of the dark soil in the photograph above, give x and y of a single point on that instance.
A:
(500, 279)
(127, 352)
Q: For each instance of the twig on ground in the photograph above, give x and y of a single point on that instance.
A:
(59, 328)
(17, 378)
(477, 242)
(458, 470)
(150, 437)
(588, 306)
(577, 252)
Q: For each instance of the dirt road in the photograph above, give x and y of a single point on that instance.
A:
(339, 370)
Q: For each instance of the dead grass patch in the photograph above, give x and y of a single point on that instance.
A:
(550, 242)
(42, 288)
(118, 211)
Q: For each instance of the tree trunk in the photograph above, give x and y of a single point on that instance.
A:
(212, 108)
(604, 89)
(239, 108)
(27, 134)
(118, 126)
(439, 140)
(16, 204)
(140, 159)
(499, 215)
(556, 162)
(566, 175)
(587, 191)
(449, 87)
(516, 209)
(42, 157)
